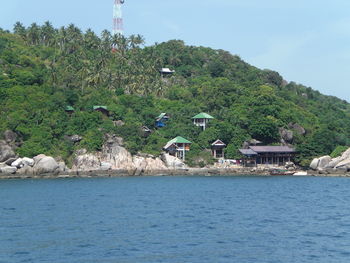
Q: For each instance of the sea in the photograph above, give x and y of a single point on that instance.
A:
(176, 219)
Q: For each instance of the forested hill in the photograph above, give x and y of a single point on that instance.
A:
(43, 70)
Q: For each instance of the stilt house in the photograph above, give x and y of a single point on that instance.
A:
(178, 147)
(201, 120)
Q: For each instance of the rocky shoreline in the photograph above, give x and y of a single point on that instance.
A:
(115, 161)
(174, 172)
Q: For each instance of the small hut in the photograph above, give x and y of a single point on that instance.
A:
(178, 147)
(161, 120)
(166, 72)
(69, 109)
(146, 131)
(217, 149)
(102, 109)
(202, 119)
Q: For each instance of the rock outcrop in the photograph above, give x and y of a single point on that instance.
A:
(45, 165)
(172, 162)
(327, 164)
(6, 151)
(286, 135)
(114, 156)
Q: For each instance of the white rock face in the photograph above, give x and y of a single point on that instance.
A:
(28, 161)
(323, 162)
(18, 163)
(105, 166)
(314, 163)
(8, 170)
(341, 163)
(172, 162)
(114, 156)
(85, 161)
(334, 162)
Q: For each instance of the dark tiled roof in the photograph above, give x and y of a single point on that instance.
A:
(247, 152)
(272, 149)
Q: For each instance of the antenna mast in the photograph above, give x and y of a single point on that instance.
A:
(118, 17)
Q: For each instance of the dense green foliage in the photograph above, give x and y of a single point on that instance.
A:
(43, 69)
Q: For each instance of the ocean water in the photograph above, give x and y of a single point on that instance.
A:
(176, 219)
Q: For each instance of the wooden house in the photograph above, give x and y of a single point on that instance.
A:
(102, 109)
(178, 147)
(161, 120)
(201, 120)
(268, 155)
(217, 149)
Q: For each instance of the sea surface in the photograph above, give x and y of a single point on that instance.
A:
(176, 219)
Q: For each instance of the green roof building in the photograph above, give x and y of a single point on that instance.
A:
(69, 109)
(202, 119)
(177, 147)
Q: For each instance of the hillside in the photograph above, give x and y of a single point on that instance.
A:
(43, 70)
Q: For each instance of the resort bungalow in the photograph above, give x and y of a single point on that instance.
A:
(102, 109)
(268, 155)
(178, 147)
(201, 120)
(166, 72)
(161, 120)
(69, 109)
(217, 149)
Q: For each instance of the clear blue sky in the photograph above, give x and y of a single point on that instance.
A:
(307, 41)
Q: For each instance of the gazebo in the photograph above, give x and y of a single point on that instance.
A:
(202, 119)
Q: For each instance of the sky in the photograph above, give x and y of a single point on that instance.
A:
(306, 41)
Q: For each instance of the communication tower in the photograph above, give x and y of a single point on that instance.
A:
(118, 17)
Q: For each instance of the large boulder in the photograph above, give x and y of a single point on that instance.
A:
(314, 163)
(18, 163)
(6, 151)
(114, 153)
(28, 161)
(334, 162)
(172, 162)
(45, 165)
(26, 170)
(10, 136)
(286, 135)
(8, 170)
(324, 161)
(343, 164)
